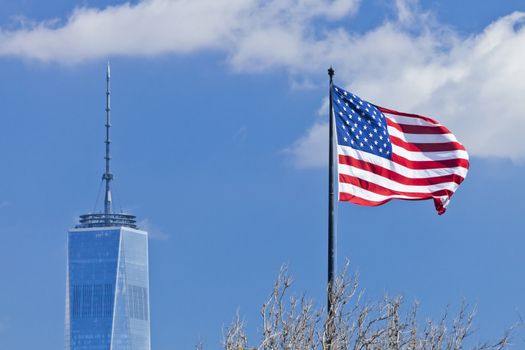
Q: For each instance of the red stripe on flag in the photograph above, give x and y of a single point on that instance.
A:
(427, 147)
(418, 129)
(392, 175)
(347, 197)
(391, 111)
(429, 164)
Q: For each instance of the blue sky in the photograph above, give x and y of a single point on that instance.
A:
(219, 114)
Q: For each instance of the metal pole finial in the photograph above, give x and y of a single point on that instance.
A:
(331, 72)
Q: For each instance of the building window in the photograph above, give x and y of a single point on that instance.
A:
(91, 301)
(137, 301)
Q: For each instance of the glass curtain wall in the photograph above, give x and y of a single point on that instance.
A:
(107, 299)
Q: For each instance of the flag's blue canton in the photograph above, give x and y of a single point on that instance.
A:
(360, 124)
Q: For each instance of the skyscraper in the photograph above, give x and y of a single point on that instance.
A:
(107, 288)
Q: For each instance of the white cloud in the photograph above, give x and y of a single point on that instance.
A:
(150, 27)
(153, 27)
(311, 150)
(154, 232)
(471, 84)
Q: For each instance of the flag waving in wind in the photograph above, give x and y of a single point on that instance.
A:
(385, 155)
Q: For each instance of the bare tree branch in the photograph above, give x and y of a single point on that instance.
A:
(293, 323)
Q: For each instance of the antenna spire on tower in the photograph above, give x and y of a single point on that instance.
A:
(107, 218)
(107, 176)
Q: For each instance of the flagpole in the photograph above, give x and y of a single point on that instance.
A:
(331, 237)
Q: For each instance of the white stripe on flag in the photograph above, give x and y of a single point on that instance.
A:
(429, 156)
(364, 194)
(409, 120)
(396, 186)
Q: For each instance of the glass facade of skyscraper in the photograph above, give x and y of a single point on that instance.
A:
(107, 293)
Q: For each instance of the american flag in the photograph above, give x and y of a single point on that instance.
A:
(385, 154)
